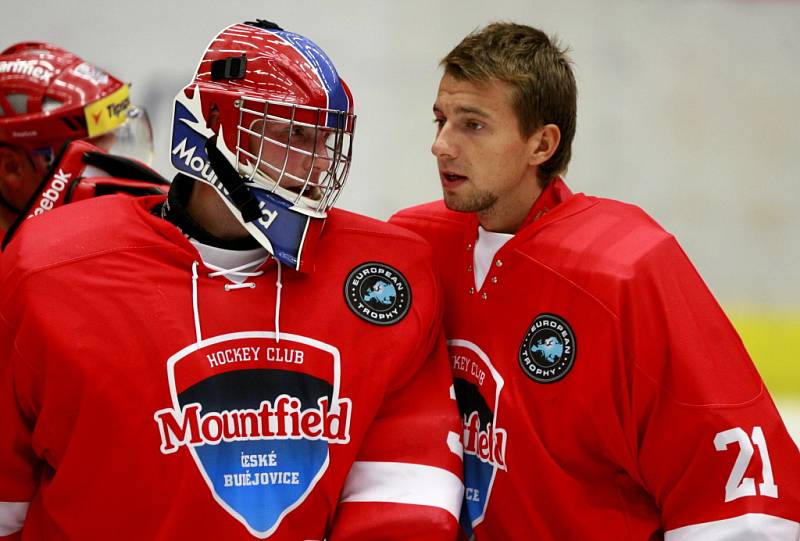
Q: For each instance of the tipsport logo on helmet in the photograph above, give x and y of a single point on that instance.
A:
(258, 417)
(108, 113)
(478, 386)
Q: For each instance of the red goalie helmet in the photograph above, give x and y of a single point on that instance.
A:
(49, 96)
(268, 122)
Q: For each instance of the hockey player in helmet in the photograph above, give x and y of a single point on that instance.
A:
(212, 381)
(48, 98)
(271, 133)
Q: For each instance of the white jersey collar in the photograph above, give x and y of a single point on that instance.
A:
(486, 247)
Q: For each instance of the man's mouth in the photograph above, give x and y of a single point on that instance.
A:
(449, 176)
(311, 192)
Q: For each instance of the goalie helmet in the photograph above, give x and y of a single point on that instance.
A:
(49, 96)
(268, 122)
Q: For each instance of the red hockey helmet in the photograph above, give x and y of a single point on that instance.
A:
(49, 96)
(268, 122)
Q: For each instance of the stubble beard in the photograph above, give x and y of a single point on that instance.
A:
(477, 201)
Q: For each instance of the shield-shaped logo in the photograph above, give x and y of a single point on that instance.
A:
(478, 385)
(258, 417)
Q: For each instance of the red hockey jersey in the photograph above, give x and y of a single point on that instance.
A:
(604, 394)
(143, 397)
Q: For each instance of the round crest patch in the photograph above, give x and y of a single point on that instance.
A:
(547, 352)
(377, 293)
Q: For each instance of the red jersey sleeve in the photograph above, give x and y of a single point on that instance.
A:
(406, 482)
(17, 460)
(713, 450)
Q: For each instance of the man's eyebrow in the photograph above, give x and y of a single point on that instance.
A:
(472, 111)
(466, 110)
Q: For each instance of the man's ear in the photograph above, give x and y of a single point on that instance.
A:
(17, 176)
(543, 143)
(12, 165)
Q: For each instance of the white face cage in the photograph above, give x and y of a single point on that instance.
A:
(292, 151)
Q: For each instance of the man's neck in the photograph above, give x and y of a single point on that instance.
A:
(507, 216)
(209, 211)
(197, 210)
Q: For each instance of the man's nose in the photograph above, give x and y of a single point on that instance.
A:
(319, 159)
(442, 146)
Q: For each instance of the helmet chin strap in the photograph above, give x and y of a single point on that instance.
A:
(290, 236)
(233, 182)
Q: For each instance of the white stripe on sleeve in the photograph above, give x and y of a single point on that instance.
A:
(749, 527)
(12, 515)
(400, 482)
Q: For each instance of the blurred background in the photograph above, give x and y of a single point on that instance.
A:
(688, 108)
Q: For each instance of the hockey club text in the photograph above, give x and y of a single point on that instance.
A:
(472, 494)
(283, 420)
(489, 444)
(468, 366)
(259, 478)
(261, 460)
(251, 354)
(248, 479)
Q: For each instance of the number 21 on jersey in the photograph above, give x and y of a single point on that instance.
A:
(738, 485)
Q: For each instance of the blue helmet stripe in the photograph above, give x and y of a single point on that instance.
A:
(337, 97)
